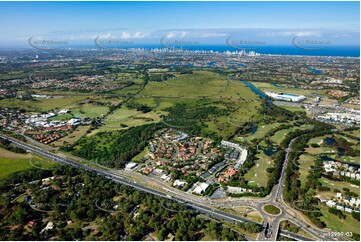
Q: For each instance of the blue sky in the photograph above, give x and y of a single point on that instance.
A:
(208, 22)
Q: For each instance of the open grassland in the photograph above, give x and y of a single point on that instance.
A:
(6, 154)
(199, 84)
(73, 137)
(42, 104)
(131, 90)
(90, 110)
(142, 118)
(189, 89)
(339, 185)
(262, 130)
(279, 135)
(246, 212)
(141, 154)
(85, 97)
(320, 150)
(227, 124)
(269, 87)
(355, 141)
(355, 133)
(292, 108)
(62, 117)
(123, 118)
(9, 166)
(349, 159)
(331, 151)
(333, 222)
(11, 162)
(258, 175)
(305, 161)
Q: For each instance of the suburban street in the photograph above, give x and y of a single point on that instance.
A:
(202, 204)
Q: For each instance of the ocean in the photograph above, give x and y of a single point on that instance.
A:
(343, 51)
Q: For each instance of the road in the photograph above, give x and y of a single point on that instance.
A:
(123, 180)
(202, 204)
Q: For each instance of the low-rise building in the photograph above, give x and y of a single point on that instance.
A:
(130, 166)
(179, 183)
(330, 203)
(201, 188)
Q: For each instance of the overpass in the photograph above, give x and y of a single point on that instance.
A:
(121, 180)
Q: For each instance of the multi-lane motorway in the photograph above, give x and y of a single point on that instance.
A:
(270, 222)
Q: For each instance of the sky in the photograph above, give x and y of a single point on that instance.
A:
(195, 22)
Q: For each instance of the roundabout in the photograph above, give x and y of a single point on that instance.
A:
(272, 210)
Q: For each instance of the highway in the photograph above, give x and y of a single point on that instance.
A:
(118, 179)
(202, 204)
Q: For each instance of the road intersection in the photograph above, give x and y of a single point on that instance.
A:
(271, 223)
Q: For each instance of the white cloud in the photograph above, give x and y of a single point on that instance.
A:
(177, 34)
(291, 33)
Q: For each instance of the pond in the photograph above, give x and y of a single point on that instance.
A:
(326, 158)
(270, 149)
(329, 141)
(340, 151)
(252, 130)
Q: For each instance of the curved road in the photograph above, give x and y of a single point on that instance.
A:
(202, 204)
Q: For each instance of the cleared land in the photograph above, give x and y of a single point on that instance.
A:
(89, 110)
(269, 87)
(73, 137)
(123, 118)
(11, 162)
(199, 84)
(246, 212)
(42, 104)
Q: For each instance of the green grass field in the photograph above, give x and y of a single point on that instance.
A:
(89, 110)
(268, 87)
(339, 185)
(73, 137)
(331, 151)
(199, 84)
(332, 221)
(279, 135)
(355, 133)
(42, 104)
(292, 108)
(9, 166)
(11, 162)
(225, 125)
(271, 209)
(349, 159)
(62, 117)
(260, 133)
(124, 117)
(257, 175)
(187, 89)
(305, 161)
